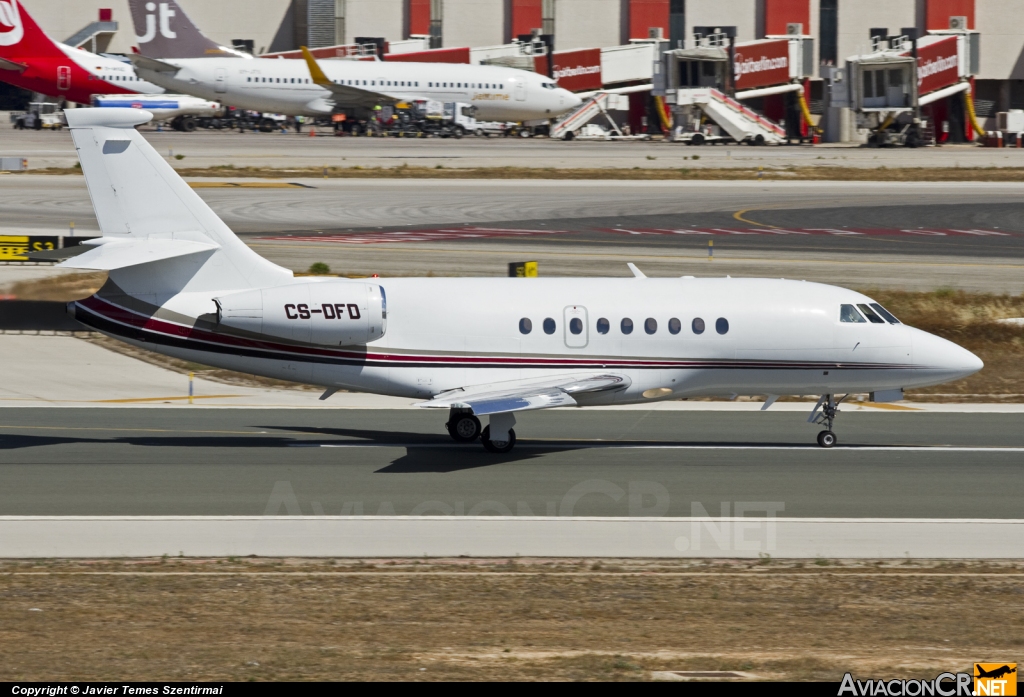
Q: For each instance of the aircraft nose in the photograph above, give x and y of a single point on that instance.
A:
(943, 359)
(570, 100)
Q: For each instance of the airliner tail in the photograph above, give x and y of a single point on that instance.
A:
(163, 30)
(158, 234)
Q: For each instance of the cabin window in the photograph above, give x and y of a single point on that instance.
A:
(525, 326)
(603, 326)
(885, 313)
(650, 325)
(697, 325)
(576, 325)
(722, 325)
(549, 326)
(848, 313)
(870, 314)
(674, 326)
(626, 325)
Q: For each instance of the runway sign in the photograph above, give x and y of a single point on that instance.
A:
(18, 247)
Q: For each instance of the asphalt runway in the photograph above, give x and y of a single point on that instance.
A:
(207, 148)
(116, 461)
(913, 236)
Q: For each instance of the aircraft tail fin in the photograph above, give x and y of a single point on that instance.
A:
(149, 215)
(163, 30)
(20, 36)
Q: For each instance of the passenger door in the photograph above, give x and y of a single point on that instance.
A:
(520, 90)
(220, 82)
(577, 327)
(64, 77)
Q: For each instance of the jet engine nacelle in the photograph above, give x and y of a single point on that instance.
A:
(327, 314)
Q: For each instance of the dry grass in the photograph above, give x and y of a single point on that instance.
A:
(697, 173)
(501, 620)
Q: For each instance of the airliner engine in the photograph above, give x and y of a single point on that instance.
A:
(336, 313)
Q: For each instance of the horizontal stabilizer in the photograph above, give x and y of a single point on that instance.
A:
(119, 254)
(12, 66)
(157, 66)
(525, 395)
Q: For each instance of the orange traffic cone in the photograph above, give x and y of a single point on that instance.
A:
(312, 131)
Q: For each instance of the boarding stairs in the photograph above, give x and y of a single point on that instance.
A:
(741, 123)
(567, 126)
(96, 34)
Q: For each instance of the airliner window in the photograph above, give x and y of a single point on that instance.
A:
(722, 325)
(549, 326)
(698, 326)
(674, 326)
(848, 313)
(885, 313)
(651, 325)
(525, 326)
(603, 326)
(626, 325)
(576, 325)
(870, 314)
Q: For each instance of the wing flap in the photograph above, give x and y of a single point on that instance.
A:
(525, 395)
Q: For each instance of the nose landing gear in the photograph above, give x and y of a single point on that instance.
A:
(825, 412)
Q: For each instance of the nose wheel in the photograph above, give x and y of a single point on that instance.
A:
(825, 412)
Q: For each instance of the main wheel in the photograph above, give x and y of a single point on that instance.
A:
(464, 428)
(826, 439)
(497, 446)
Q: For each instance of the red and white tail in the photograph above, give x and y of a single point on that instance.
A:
(20, 36)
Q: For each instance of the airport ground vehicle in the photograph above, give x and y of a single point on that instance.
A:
(180, 282)
(39, 115)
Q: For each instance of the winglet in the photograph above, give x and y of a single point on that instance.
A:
(314, 69)
(637, 273)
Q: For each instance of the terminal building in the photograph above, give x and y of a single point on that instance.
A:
(845, 54)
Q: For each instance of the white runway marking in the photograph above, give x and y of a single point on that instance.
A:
(628, 446)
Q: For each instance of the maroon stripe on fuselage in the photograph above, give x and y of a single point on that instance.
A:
(195, 339)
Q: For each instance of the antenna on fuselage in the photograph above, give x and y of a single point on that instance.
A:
(637, 273)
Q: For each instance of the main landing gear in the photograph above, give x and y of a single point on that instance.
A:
(825, 412)
(464, 427)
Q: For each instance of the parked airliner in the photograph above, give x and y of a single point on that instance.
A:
(33, 61)
(181, 283)
(175, 54)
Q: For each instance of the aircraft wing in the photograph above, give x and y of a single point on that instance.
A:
(344, 95)
(525, 395)
(157, 66)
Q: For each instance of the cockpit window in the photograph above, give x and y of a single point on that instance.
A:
(870, 314)
(548, 85)
(885, 313)
(848, 313)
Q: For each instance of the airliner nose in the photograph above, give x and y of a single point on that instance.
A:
(569, 100)
(941, 359)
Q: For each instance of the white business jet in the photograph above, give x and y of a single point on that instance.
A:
(175, 55)
(182, 284)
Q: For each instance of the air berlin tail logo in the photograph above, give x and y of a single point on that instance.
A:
(11, 29)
